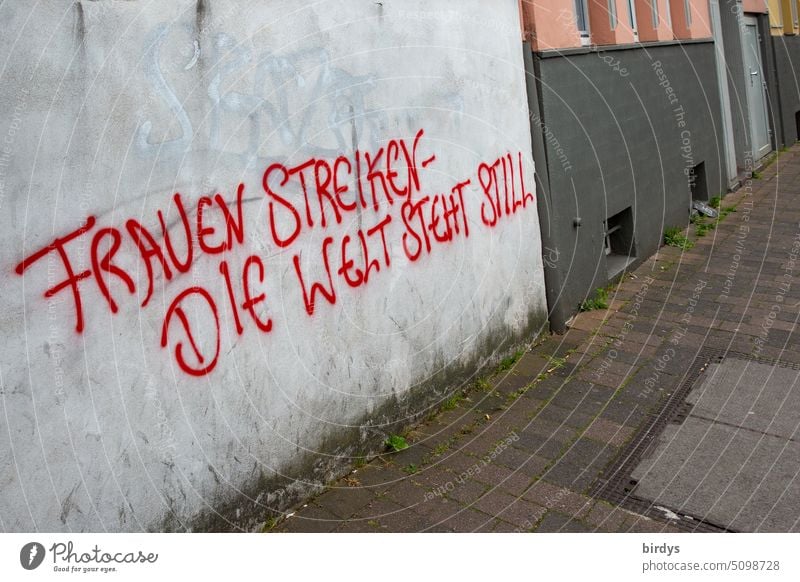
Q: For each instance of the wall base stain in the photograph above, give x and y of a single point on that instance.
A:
(271, 496)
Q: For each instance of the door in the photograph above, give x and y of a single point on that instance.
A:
(756, 89)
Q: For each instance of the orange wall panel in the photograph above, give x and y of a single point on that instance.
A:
(550, 24)
(701, 19)
(600, 23)
(644, 19)
(759, 6)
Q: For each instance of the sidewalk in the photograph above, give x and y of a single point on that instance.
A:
(546, 444)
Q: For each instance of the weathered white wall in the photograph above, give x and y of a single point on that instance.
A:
(111, 108)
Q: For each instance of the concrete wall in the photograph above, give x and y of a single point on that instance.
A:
(213, 346)
(621, 128)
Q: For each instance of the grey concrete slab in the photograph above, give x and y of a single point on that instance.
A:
(751, 395)
(736, 478)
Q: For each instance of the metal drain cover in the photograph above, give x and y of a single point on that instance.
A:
(735, 459)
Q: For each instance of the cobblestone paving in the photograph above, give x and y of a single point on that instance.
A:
(522, 450)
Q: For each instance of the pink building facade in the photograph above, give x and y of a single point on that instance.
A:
(563, 24)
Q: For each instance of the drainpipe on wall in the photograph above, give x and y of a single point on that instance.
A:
(544, 202)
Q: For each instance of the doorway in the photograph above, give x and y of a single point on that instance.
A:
(756, 89)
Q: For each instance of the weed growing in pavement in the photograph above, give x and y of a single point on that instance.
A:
(599, 301)
(441, 449)
(453, 401)
(396, 443)
(483, 384)
(269, 524)
(518, 393)
(771, 159)
(508, 363)
(701, 225)
(673, 237)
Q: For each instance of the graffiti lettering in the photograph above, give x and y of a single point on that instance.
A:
(497, 175)
(176, 308)
(72, 279)
(381, 190)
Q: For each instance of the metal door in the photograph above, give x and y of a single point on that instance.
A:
(756, 89)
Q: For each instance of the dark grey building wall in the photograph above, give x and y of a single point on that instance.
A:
(787, 66)
(620, 128)
(774, 105)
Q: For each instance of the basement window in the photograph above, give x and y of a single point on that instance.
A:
(697, 182)
(620, 249)
(797, 123)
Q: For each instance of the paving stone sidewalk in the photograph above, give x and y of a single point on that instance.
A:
(525, 449)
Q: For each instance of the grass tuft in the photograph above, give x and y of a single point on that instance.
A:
(674, 237)
(508, 363)
(599, 301)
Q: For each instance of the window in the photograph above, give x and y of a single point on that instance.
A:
(582, 20)
(619, 245)
(775, 13)
(687, 8)
(797, 123)
(612, 13)
(632, 19)
(654, 12)
(698, 185)
(789, 13)
(669, 16)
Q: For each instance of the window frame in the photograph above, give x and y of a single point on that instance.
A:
(632, 19)
(612, 14)
(668, 9)
(582, 13)
(654, 18)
